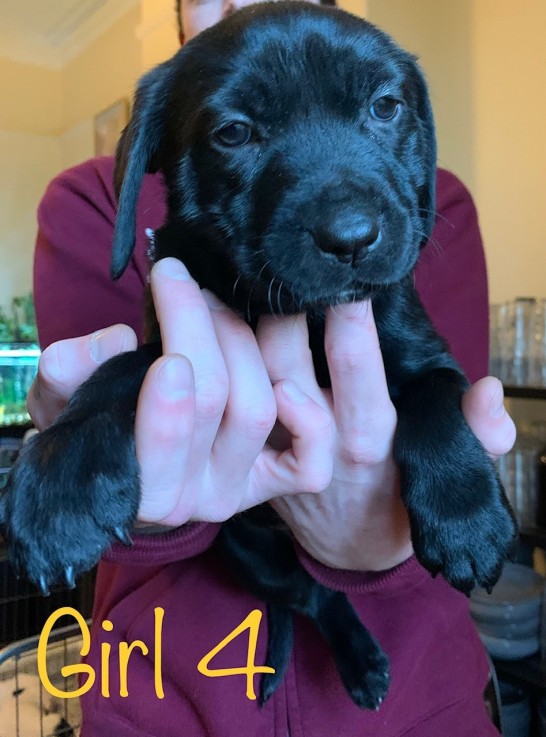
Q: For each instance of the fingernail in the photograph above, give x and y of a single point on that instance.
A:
(106, 343)
(173, 379)
(293, 392)
(353, 309)
(173, 269)
(212, 300)
(497, 408)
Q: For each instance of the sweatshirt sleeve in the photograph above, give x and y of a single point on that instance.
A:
(74, 294)
(451, 277)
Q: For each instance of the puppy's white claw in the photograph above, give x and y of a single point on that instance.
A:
(69, 577)
(123, 536)
(43, 586)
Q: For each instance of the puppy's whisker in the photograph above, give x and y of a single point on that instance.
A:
(248, 315)
(281, 313)
(334, 305)
(438, 215)
(269, 302)
(260, 272)
(235, 284)
(249, 297)
(434, 241)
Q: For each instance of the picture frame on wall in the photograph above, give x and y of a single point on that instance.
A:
(108, 125)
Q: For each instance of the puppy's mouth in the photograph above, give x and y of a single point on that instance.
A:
(278, 297)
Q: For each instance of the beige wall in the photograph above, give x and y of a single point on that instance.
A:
(509, 41)
(28, 163)
(437, 31)
(30, 121)
(100, 75)
(158, 32)
(46, 125)
(32, 98)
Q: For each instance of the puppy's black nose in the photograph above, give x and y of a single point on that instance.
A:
(345, 234)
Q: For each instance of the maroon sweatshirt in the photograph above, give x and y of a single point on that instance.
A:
(438, 665)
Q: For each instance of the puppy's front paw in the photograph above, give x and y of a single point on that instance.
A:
(464, 527)
(74, 487)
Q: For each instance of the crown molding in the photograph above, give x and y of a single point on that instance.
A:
(29, 49)
(110, 12)
(57, 46)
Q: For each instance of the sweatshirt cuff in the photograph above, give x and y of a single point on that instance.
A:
(405, 574)
(179, 543)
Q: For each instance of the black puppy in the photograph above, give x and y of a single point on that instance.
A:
(298, 149)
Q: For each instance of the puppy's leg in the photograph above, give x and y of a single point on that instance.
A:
(280, 641)
(76, 484)
(461, 522)
(264, 561)
(462, 525)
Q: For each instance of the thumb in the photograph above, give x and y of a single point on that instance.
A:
(64, 365)
(484, 410)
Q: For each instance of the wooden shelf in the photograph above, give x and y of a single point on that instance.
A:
(527, 673)
(525, 392)
(534, 536)
(14, 431)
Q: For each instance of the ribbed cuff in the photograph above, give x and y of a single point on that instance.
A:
(179, 543)
(408, 573)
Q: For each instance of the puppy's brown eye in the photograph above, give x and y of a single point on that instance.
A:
(234, 134)
(385, 108)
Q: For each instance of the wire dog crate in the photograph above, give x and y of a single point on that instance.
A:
(23, 609)
(27, 709)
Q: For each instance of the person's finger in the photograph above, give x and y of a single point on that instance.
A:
(187, 329)
(484, 410)
(163, 437)
(364, 414)
(284, 345)
(251, 409)
(64, 365)
(307, 465)
(309, 462)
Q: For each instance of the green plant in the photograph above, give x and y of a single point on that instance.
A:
(18, 325)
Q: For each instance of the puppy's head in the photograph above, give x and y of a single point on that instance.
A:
(298, 148)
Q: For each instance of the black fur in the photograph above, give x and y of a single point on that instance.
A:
(288, 193)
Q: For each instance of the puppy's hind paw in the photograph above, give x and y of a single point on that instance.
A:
(367, 679)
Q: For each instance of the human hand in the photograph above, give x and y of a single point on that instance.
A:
(205, 412)
(66, 364)
(359, 522)
(205, 409)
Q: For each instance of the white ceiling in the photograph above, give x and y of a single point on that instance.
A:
(47, 31)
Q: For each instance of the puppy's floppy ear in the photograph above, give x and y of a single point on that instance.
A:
(427, 191)
(136, 154)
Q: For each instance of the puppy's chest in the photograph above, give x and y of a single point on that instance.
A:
(316, 343)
